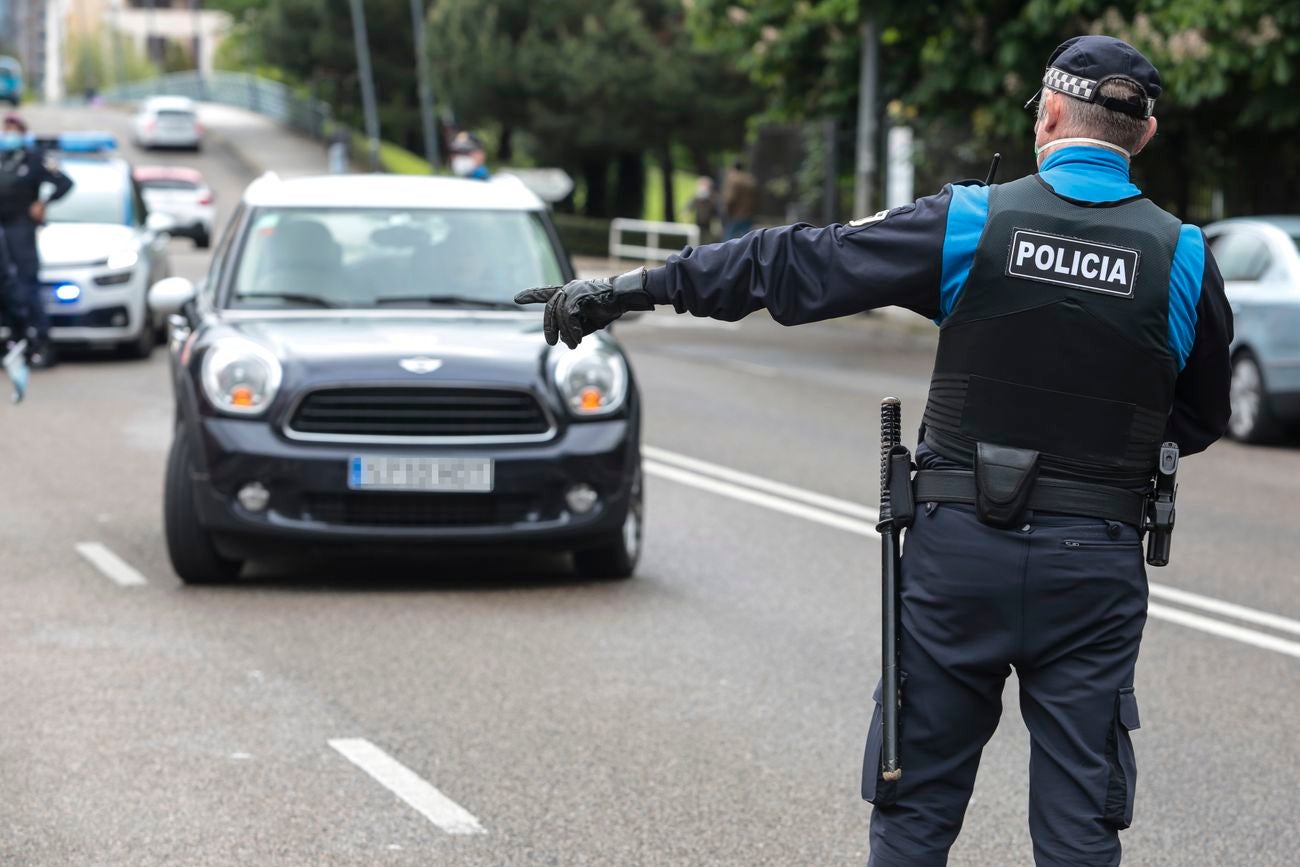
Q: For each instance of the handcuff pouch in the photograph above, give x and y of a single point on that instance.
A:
(1004, 481)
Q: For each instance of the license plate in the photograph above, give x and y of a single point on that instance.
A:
(400, 473)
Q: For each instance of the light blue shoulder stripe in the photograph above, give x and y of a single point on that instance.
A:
(967, 214)
(1185, 276)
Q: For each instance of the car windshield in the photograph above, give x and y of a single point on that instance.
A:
(168, 184)
(370, 257)
(100, 193)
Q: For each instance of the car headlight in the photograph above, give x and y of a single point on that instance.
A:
(240, 377)
(592, 379)
(122, 259)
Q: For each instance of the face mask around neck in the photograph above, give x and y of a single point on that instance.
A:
(1087, 141)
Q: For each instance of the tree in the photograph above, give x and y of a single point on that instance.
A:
(963, 68)
(310, 42)
(593, 86)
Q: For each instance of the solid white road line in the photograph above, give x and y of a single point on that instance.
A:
(407, 785)
(847, 515)
(781, 489)
(758, 498)
(113, 566)
(1227, 609)
(1224, 630)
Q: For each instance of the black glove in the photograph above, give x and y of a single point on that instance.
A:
(580, 307)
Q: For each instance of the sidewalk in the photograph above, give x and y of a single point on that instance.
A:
(261, 144)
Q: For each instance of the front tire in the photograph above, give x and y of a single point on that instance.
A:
(616, 556)
(1252, 419)
(189, 544)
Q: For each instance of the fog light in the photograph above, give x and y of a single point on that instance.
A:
(581, 499)
(118, 320)
(254, 496)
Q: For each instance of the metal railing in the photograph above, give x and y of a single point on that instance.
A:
(240, 89)
(652, 229)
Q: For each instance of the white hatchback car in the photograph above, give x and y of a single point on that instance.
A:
(100, 250)
(182, 194)
(168, 121)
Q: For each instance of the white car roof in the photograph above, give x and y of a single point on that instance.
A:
(391, 191)
(176, 103)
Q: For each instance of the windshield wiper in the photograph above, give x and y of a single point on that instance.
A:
(465, 300)
(289, 296)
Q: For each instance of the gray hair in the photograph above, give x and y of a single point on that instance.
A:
(1082, 119)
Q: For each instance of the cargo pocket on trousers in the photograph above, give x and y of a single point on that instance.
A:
(1123, 764)
(880, 792)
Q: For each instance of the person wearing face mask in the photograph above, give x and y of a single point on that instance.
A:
(1080, 327)
(468, 159)
(24, 170)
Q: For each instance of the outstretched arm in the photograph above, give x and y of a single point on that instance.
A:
(799, 273)
(806, 274)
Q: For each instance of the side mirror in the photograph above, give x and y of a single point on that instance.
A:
(159, 222)
(168, 296)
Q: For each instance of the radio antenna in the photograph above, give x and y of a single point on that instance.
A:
(993, 169)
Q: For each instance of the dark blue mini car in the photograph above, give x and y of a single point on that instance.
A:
(354, 372)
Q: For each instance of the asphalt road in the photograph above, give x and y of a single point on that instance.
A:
(711, 710)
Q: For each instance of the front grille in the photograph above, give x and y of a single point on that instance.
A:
(100, 317)
(419, 412)
(420, 510)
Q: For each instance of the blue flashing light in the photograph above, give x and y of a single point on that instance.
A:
(66, 293)
(76, 142)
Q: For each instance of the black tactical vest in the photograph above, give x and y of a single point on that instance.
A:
(1059, 341)
(15, 184)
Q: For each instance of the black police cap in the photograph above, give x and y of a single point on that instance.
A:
(1080, 66)
(466, 143)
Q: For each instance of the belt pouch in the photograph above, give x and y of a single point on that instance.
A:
(1004, 479)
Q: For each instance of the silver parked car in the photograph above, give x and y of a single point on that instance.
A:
(1260, 261)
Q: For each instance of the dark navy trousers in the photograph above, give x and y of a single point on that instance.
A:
(20, 242)
(1061, 599)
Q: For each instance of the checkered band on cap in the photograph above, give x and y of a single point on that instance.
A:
(1074, 85)
(1066, 83)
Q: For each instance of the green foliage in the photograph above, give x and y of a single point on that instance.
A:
(588, 84)
(392, 158)
(239, 10)
(802, 54)
(683, 189)
(95, 62)
(311, 42)
(963, 68)
(583, 236)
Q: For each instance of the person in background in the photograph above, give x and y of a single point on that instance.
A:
(739, 201)
(703, 207)
(13, 309)
(24, 170)
(468, 159)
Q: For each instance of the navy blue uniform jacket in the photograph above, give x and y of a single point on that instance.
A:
(918, 257)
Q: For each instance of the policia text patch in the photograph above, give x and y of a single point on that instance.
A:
(1072, 262)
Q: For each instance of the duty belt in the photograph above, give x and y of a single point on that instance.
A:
(1048, 495)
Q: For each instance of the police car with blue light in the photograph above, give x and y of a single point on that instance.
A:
(100, 249)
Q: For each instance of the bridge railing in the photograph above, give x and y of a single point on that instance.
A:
(652, 230)
(240, 89)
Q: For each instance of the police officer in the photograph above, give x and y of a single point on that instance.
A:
(468, 157)
(1080, 326)
(23, 170)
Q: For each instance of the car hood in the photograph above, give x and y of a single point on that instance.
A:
(63, 244)
(410, 347)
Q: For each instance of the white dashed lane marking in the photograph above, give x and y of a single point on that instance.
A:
(112, 566)
(403, 782)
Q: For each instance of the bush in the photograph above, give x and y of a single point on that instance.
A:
(583, 236)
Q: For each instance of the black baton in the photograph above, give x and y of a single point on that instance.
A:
(891, 422)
